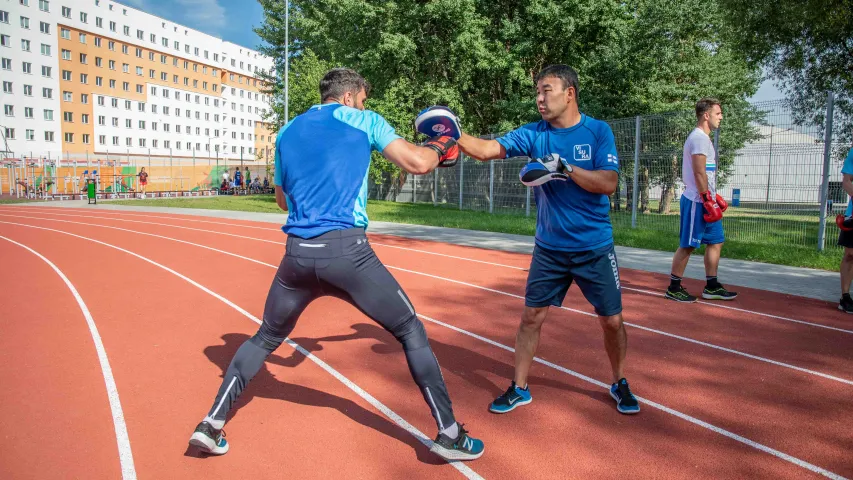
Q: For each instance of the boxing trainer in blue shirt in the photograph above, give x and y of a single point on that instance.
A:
(574, 237)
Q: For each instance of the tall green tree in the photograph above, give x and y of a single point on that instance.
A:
(479, 58)
(807, 46)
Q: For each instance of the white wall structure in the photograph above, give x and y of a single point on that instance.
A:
(76, 57)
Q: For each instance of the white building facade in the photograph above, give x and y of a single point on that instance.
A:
(94, 77)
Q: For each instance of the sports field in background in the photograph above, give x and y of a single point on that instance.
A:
(775, 248)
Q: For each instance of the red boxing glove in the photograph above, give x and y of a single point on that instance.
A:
(722, 202)
(446, 148)
(712, 210)
(844, 223)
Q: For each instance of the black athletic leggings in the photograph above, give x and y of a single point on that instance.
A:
(342, 264)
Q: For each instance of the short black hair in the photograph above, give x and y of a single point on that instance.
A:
(565, 73)
(705, 105)
(339, 81)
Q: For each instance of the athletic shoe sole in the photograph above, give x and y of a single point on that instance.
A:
(680, 300)
(454, 454)
(707, 296)
(626, 412)
(842, 309)
(207, 444)
(512, 407)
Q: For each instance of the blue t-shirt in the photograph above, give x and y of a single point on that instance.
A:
(848, 169)
(569, 218)
(322, 159)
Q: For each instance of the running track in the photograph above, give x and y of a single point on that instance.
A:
(118, 326)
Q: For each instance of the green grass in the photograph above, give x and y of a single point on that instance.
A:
(782, 236)
(18, 200)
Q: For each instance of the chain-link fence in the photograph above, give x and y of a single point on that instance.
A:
(773, 173)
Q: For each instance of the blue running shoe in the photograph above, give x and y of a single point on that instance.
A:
(463, 447)
(209, 439)
(515, 396)
(626, 402)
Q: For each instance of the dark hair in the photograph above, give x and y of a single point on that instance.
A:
(705, 105)
(339, 81)
(564, 72)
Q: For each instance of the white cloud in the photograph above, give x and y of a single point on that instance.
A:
(206, 14)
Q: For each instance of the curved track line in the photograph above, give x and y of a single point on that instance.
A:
(693, 420)
(676, 413)
(500, 292)
(125, 454)
(464, 469)
(164, 225)
(638, 290)
(660, 332)
(133, 213)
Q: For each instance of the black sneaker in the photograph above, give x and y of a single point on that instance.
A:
(679, 295)
(209, 439)
(845, 305)
(718, 292)
(626, 402)
(462, 447)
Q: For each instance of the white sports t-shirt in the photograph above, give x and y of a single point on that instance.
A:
(698, 142)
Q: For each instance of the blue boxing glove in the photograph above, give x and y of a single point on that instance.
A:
(438, 121)
(545, 169)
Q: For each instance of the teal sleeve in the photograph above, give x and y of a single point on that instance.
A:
(848, 164)
(378, 130)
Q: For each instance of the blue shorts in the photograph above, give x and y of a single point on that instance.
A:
(694, 230)
(596, 271)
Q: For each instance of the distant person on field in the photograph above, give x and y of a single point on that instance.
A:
(701, 207)
(143, 180)
(845, 238)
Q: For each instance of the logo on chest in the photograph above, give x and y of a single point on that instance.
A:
(583, 153)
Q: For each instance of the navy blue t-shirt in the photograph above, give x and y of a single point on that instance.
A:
(569, 218)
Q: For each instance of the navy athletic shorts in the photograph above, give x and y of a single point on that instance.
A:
(595, 271)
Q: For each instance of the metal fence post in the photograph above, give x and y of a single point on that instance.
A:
(461, 172)
(824, 186)
(434, 188)
(527, 202)
(491, 186)
(413, 189)
(636, 173)
(717, 145)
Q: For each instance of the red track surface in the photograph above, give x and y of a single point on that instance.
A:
(168, 343)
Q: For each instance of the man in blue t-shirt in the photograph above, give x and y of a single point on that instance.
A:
(845, 238)
(574, 238)
(322, 160)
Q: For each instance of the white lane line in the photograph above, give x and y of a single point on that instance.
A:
(500, 292)
(647, 292)
(676, 413)
(156, 224)
(125, 454)
(177, 217)
(660, 332)
(683, 416)
(464, 469)
(638, 290)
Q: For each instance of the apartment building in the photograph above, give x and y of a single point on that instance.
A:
(94, 77)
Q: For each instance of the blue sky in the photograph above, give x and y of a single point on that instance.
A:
(233, 20)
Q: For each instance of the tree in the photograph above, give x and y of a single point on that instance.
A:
(479, 58)
(806, 45)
